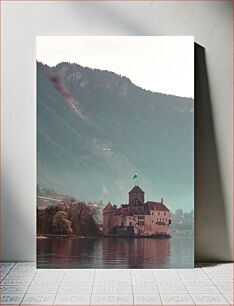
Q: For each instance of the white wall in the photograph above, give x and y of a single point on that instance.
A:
(211, 24)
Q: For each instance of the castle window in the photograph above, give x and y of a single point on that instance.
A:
(159, 213)
(164, 213)
(130, 223)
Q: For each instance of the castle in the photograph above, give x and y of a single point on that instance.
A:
(137, 218)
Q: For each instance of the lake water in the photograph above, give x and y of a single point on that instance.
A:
(145, 253)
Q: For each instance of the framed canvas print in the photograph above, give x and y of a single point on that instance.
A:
(115, 152)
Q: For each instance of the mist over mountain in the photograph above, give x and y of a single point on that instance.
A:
(95, 129)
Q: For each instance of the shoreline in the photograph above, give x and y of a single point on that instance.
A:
(45, 236)
(111, 236)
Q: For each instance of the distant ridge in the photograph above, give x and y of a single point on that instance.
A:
(57, 67)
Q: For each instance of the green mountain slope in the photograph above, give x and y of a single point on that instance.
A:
(96, 129)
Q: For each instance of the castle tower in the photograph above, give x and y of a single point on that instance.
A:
(108, 219)
(136, 196)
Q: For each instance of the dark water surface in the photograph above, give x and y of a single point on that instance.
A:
(177, 252)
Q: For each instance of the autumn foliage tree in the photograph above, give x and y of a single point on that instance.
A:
(66, 218)
(61, 224)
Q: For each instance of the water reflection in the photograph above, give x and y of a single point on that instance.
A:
(115, 252)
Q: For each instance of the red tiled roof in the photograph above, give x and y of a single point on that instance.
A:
(130, 210)
(156, 206)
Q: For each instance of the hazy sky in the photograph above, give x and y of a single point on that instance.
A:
(159, 63)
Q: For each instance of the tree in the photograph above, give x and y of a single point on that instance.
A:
(78, 213)
(69, 216)
(191, 213)
(179, 215)
(50, 212)
(61, 224)
(41, 226)
(89, 227)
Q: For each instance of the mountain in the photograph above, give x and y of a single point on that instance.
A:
(95, 129)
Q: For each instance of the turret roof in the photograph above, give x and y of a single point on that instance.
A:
(108, 207)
